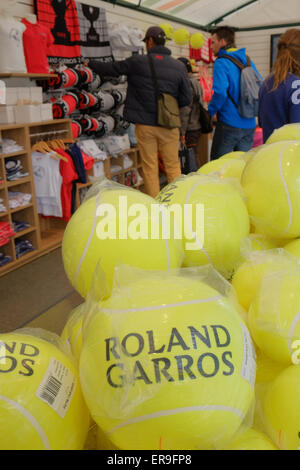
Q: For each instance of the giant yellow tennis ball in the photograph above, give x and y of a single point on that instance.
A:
(181, 36)
(197, 40)
(225, 168)
(281, 409)
(235, 155)
(214, 217)
(168, 29)
(41, 403)
(261, 242)
(118, 226)
(266, 371)
(270, 181)
(167, 363)
(72, 332)
(252, 439)
(273, 316)
(248, 276)
(293, 247)
(286, 132)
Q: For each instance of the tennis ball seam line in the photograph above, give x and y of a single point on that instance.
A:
(31, 418)
(164, 236)
(286, 190)
(88, 242)
(187, 409)
(201, 247)
(158, 307)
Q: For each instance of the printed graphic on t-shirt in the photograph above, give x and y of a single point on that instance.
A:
(94, 36)
(60, 16)
(296, 93)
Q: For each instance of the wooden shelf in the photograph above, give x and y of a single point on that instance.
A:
(39, 76)
(20, 208)
(13, 183)
(13, 154)
(24, 232)
(46, 233)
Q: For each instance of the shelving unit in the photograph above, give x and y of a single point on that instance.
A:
(28, 212)
(134, 155)
(45, 234)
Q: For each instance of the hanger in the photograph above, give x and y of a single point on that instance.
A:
(44, 148)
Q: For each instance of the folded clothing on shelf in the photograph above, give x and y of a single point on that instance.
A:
(11, 146)
(2, 206)
(6, 232)
(18, 226)
(13, 170)
(23, 247)
(4, 259)
(18, 199)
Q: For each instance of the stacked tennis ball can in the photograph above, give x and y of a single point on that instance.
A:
(188, 335)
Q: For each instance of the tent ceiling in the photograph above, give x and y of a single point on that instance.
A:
(241, 14)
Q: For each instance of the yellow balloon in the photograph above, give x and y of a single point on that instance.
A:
(41, 403)
(197, 40)
(167, 363)
(168, 29)
(181, 36)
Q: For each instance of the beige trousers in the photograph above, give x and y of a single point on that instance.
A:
(151, 140)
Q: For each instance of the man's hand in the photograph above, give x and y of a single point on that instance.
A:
(182, 139)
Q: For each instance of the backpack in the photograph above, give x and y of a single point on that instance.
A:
(249, 88)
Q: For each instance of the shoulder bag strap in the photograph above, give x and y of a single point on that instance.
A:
(153, 75)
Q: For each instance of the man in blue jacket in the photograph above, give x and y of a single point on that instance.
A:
(141, 107)
(232, 132)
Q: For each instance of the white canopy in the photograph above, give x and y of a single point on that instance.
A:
(241, 14)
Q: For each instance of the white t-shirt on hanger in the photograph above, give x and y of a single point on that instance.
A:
(47, 183)
(12, 57)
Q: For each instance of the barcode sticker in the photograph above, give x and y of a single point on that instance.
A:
(57, 387)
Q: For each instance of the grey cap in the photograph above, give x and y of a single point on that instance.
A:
(154, 32)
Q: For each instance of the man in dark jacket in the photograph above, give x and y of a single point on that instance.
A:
(141, 108)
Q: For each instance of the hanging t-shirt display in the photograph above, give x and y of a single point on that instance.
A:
(36, 41)
(12, 57)
(94, 37)
(60, 16)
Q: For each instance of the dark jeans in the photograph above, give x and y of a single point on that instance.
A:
(228, 139)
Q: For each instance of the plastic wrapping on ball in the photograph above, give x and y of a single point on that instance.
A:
(167, 362)
(41, 402)
(270, 181)
(273, 316)
(214, 217)
(114, 225)
(254, 266)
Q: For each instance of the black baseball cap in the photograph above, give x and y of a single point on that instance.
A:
(154, 32)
